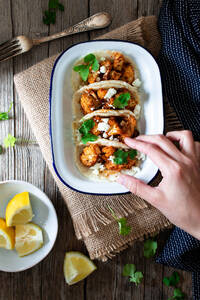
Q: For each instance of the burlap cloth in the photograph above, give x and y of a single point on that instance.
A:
(92, 220)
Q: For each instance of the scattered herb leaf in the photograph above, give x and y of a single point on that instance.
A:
(178, 295)
(172, 280)
(122, 100)
(50, 14)
(132, 153)
(9, 141)
(124, 229)
(89, 60)
(121, 156)
(4, 115)
(84, 130)
(129, 270)
(150, 248)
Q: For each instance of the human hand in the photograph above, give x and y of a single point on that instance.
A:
(178, 194)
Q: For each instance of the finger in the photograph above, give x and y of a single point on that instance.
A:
(186, 141)
(139, 188)
(161, 159)
(197, 151)
(163, 143)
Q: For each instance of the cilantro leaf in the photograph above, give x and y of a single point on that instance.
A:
(150, 248)
(84, 130)
(178, 294)
(89, 60)
(129, 270)
(132, 153)
(4, 115)
(9, 141)
(124, 229)
(122, 100)
(137, 278)
(172, 280)
(95, 65)
(89, 137)
(1, 149)
(120, 157)
(83, 71)
(50, 14)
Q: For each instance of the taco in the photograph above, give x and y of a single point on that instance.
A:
(101, 66)
(105, 162)
(110, 94)
(107, 125)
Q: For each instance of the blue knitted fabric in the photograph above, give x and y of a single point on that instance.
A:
(179, 62)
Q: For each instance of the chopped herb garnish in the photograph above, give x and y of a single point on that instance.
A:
(4, 115)
(84, 130)
(90, 61)
(122, 100)
(121, 156)
(9, 141)
(172, 280)
(178, 295)
(124, 229)
(150, 248)
(50, 14)
(129, 270)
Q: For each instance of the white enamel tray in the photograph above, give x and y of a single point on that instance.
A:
(61, 117)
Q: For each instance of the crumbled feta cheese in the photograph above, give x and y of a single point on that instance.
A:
(103, 126)
(115, 139)
(102, 59)
(111, 158)
(103, 69)
(105, 120)
(111, 137)
(98, 79)
(140, 156)
(105, 135)
(137, 111)
(92, 108)
(111, 92)
(98, 167)
(137, 83)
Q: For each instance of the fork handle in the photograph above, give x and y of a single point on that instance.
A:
(97, 21)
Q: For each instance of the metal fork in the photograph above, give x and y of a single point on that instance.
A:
(21, 44)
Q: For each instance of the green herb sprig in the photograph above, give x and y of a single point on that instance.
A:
(129, 270)
(50, 14)
(90, 61)
(124, 229)
(84, 130)
(172, 281)
(178, 295)
(122, 100)
(121, 156)
(5, 115)
(10, 141)
(150, 248)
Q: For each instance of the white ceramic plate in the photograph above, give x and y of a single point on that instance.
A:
(61, 117)
(44, 216)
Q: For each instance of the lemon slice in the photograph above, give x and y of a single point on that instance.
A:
(77, 267)
(7, 236)
(28, 238)
(18, 210)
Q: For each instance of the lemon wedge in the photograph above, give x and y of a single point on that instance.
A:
(77, 267)
(7, 236)
(18, 210)
(28, 239)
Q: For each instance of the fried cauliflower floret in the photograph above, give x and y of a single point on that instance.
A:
(89, 102)
(108, 65)
(107, 152)
(92, 77)
(94, 130)
(114, 127)
(128, 125)
(114, 75)
(128, 74)
(101, 93)
(118, 61)
(109, 103)
(90, 155)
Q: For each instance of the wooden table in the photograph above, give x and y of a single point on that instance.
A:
(45, 281)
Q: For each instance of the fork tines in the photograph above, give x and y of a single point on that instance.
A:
(9, 49)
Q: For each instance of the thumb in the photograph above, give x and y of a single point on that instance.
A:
(139, 188)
